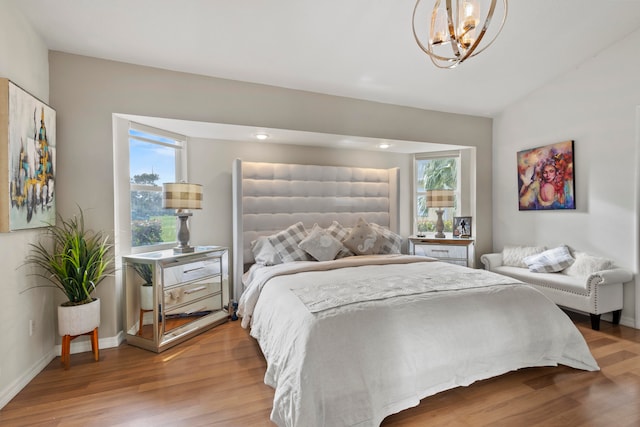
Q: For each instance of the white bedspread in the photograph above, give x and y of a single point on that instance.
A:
(355, 364)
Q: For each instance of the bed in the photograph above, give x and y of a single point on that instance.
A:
(351, 340)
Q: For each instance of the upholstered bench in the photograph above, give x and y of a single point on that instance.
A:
(589, 284)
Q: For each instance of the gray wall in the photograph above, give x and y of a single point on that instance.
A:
(85, 92)
(24, 60)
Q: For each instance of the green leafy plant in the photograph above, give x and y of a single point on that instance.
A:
(145, 272)
(76, 261)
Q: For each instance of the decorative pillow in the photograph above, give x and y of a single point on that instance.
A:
(363, 239)
(340, 233)
(286, 243)
(264, 253)
(550, 261)
(391, 242)
(514, 256)
(586, 264)
(320, 244)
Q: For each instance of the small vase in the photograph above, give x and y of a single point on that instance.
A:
(78, 319)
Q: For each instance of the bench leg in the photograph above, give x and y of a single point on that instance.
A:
(616, 317)
(595, 322)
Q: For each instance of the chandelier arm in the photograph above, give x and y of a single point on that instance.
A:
(427, 49)
(469, 53)
(452, 30)
(504, 18)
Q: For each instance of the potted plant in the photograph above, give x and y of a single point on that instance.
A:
(145, 271)
(76, 260)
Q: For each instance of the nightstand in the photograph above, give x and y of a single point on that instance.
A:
(186, 297)
(452, 250)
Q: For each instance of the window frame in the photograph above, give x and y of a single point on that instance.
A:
(417, 192)
(124, 186)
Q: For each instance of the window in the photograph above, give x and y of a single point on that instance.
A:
(155, 157)
(435, 172)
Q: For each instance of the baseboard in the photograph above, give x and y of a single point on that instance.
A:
(81, 346)
(16, 386)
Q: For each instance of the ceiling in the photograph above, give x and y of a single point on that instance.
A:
(355, 48)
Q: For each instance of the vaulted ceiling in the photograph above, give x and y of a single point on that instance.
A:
(356, 48)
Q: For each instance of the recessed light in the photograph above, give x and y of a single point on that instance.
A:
(384, 145)
(262, 136)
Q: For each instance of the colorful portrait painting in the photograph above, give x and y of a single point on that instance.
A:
(545, 177)
(31, 162)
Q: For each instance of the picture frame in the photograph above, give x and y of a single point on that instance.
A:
(546, 179)
(27, 160)
(462, 226)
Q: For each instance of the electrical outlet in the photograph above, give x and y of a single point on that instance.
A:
(31, 327)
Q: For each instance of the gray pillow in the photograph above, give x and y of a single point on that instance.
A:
(363, 239)
(550, 261)
(320, 244)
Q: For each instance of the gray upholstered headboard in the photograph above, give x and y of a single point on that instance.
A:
(269, 197)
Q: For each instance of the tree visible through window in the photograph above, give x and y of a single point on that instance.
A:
(153, 160)
(434, 174)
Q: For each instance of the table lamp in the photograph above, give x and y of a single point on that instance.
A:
(440, 199)
(182, 196)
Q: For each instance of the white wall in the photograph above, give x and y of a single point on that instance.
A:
(23, 60)
(595, 105)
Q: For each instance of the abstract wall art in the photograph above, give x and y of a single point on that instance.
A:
(27, 160)
(546, 177)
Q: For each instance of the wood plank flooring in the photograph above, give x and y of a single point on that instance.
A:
(216, 379)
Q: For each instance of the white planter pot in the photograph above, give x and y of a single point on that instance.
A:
(146, 297)
(78, 319)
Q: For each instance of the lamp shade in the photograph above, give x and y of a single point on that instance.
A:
(440, 198)
(181, 195)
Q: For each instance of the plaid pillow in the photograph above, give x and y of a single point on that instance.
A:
(286, 243)
(340, 233)
(550, 261)
(391, 242)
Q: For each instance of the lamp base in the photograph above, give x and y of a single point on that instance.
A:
(183, 234)
(440, 225)
(184, 250)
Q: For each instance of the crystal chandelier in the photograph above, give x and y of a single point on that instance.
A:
(455, 28)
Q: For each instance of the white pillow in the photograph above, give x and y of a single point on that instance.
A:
(586, 264)
(550, 261)
(514, 256)
(320, 244)
(286, 243)
(264, 253)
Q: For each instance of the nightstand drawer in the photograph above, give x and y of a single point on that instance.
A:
(193, 291)
(441, 251)
(190, 272)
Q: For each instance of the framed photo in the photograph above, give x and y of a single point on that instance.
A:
(546, 177)
(462, 226)
(27, 160)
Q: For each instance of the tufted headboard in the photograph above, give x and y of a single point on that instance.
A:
(269, 197)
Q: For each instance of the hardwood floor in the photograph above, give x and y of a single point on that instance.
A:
(216, 379)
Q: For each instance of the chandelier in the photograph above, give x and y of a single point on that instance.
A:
(455, 28)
